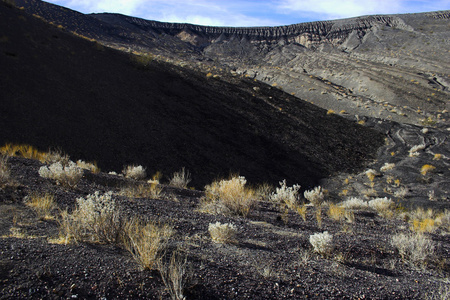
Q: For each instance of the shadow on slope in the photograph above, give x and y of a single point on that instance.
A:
(95, 103)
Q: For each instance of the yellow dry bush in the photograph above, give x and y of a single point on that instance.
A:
(145, 241)
(43, 204)
(229, 196)
(426, 168)
(426, 225)
(144, 190)
(301, 210)
(336, 212)
(437, 156)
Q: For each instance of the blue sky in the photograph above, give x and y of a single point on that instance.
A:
(251, 12)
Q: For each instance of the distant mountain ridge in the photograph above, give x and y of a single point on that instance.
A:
(386, 66)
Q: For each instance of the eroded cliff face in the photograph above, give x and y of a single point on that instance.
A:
(388, 66)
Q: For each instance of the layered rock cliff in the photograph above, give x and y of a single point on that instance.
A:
(388, 66)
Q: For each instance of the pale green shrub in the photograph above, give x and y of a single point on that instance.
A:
(383, 206)
(68, 175)
(414, 247)
(286, 195)
(222, 233)
(315, 196)
(354, 203)
(387, 167)
(95, 219)
(134, 172)
(180, 179)
(322, 243)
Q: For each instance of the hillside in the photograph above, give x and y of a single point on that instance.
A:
(99, 104)
(385, 66)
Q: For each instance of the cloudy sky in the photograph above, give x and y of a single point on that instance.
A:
(251, 12)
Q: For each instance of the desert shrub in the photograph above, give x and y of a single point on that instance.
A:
(322, 243)
(155, 178)
(286, 195)
(88, 166)
(5, 173)
(443, 220)
(174, 275)
(68, 175)
(383, 206)
(229, 197)
(426, 168)
(354, 203)
(95, 219)
(315, 196)
(30, 152)
(264, 191)
(145, 241)
(222, 233)
(387, 167)
(134, 172)
(180, 179)
(336, 212)
(437, 156)
(401, 192)
(42, 204)
(414, 151)
(413, 247)
(371, 174)
(145, 190)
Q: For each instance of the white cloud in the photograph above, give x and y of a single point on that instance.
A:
(331, 9)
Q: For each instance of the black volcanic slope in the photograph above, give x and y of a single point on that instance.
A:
(58, 90)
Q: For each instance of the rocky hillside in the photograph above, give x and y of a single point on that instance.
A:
(389, 66)
(100, 104)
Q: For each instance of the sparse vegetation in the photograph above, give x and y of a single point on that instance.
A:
(414, 151)
(68, 175)
(145, 241)
(322, 243)
(88, 166)
(134, 172)
(5, 173)
(229, 197)
(143, 190)
(383, 206)
(286, 196)
(426, 169)
(180, 179)
(222, 233)
(355, 203)
(413, 247)
(315, 196)
(42, 204)
(96, 218)
(174, 275)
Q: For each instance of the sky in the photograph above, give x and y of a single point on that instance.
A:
(245, 13)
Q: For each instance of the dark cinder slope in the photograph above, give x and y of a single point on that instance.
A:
(58, 90)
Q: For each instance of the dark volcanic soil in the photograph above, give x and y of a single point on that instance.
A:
(272, 259)
(98, 104)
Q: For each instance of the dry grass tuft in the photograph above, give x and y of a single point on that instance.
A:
(229, 197)
(180, 179)
(426, 168)
(174, 275)
(336, 212)
(5, 174)
(383, 206)
(134, 172)
(222, 233)
(145, 241)
(144, 190)
(30, 152)
(43, 205)
(88, 166)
